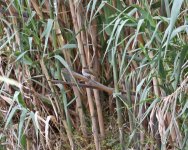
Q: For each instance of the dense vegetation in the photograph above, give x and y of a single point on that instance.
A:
(109, 74)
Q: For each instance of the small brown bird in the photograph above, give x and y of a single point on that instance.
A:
(87, 72)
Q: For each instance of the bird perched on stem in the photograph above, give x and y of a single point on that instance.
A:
(87, 72)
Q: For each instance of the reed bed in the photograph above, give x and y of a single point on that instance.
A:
(109, 74)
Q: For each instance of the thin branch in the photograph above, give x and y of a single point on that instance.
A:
(75, 84)
(91, 83)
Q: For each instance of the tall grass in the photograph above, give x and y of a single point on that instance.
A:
(93, 74)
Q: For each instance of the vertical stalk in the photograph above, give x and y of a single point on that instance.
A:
(99, 112)
(93, 119)
(80, 111)
(118, 101)
(61, 43)
(94, 63)
(157, 93)
(77, 13)
(45, 72)
(63, 98)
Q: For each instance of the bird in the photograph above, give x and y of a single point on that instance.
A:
(87, 72)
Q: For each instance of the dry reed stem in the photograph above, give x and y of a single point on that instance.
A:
(75, 8)
(69, 134)
(61, 43)
(94, 63)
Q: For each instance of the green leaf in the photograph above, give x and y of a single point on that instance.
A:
(174, 15)
(27, 60)
(21, 123)
(65, 103)
(7, 41)
(20, 55)
(20, 99)
(139, 86)
(10, 116)
(58, 57)
(149, 109)
(162, 71)
(32, 115)
(177, 68)
(69, 46)
(46, 33)
(24, 142)
(177, 30)
(140, 22)
(10, 81)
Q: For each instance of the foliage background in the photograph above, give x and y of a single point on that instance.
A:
(135, 96)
